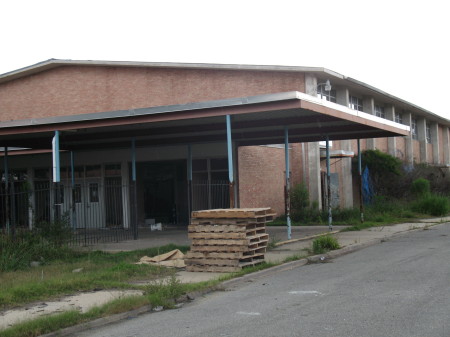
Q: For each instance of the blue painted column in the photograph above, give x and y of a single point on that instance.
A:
(288, 183)
(189, 181)
(133, 179)
(56, 175)
(330, 215)
(361, 199)
(6, 168)
(230, 162)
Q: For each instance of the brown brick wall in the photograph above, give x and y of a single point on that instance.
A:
(400, 150)
(430, 149)
(441, 144)
(261, 177)
(416, 151)
(79, 89)
(382, 144)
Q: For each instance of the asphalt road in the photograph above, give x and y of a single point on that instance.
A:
(397, 288)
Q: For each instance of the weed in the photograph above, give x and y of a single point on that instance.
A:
(273, 242)
(324, 244)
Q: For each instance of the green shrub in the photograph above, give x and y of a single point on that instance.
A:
(420, 187)
(324, 244)
(57, 232)
(15, 254)
(299, 196)
(432, 204)
(345, 214)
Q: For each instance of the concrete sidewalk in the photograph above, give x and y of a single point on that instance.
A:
(349, 241)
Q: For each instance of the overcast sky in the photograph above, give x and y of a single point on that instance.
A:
(401, 47)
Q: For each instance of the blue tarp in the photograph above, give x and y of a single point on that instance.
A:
(367, 187)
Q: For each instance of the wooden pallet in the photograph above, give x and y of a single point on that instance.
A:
(232, 221)
(211, 228)
(226, 240)
(233, 213)
(227, 235)
(224, 255)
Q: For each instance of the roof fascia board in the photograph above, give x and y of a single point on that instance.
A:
(349, 111)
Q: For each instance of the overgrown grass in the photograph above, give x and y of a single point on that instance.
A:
(159, 293)
(99, 270)
(432, 204)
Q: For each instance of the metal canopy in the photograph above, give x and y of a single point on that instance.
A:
(256, 120)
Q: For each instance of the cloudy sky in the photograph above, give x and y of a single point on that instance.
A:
(398, 46)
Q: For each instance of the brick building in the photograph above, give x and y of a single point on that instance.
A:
(142, 142)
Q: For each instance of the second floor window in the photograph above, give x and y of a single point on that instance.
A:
(379, 111)
(398, 117)
(428, 133)
(414, 129)
(355, 103)
(328, 95)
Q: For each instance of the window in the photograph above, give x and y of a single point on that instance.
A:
(379, 111)
(93, 192)
(414, 129)
(112, 170)
(76, 194)
(327, 95)
(428, 133)
(398, 117)
(355, 103)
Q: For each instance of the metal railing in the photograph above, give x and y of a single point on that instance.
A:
(93, 211)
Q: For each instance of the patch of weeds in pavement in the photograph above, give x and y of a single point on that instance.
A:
(324, 244)
(273, 242)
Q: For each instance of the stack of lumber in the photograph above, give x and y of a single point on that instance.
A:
(225, 240)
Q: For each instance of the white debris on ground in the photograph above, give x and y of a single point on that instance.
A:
(82, 302)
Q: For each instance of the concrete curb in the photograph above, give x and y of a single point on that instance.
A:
(99, 322)
(306, 238)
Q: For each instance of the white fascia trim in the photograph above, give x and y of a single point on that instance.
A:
(349, 111)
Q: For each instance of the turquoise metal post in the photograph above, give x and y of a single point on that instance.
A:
(56, 175)
(133, 178)
(189, 181)
(133, 160)
(56, 162)
(361, 199)
(230, 161)
(7, 191)
(330, 215)
(288, 183)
